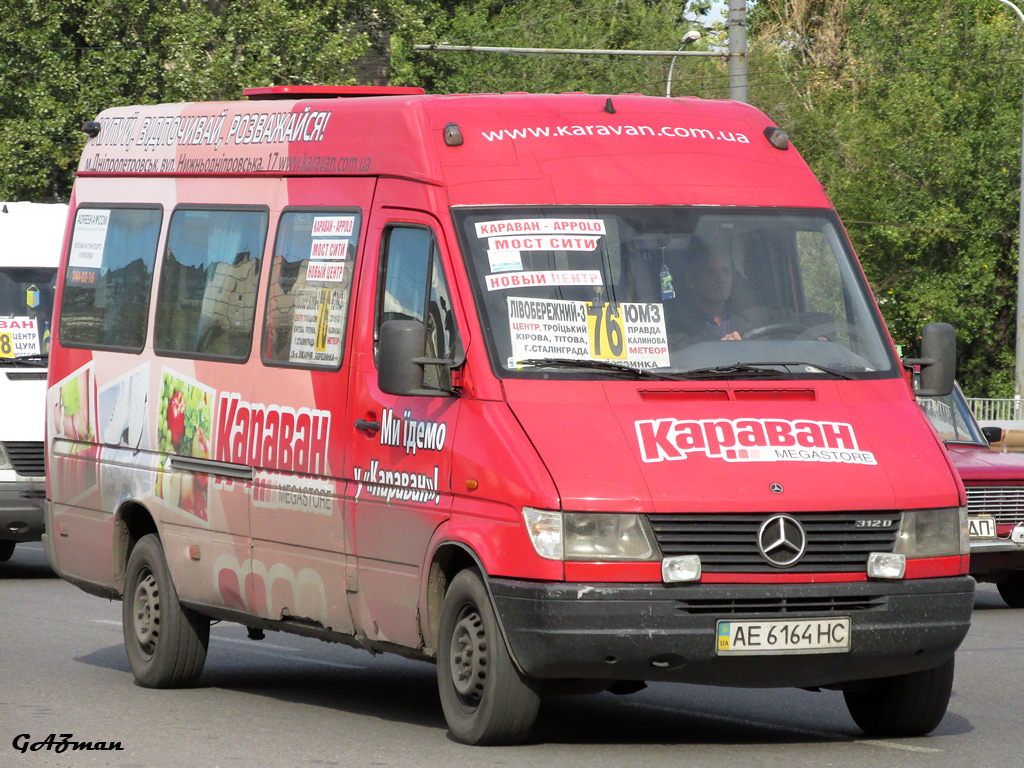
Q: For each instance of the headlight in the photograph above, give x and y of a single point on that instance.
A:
(588, 535)
(933, 533)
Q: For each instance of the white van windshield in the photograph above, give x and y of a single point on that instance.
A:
(26, 306)
(680, 292)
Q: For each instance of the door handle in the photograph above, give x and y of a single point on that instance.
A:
(367, 426)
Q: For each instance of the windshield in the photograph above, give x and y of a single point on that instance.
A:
(683, 292)
(26, 306)
(953, 418)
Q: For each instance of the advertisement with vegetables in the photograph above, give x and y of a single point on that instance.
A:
(184, 426)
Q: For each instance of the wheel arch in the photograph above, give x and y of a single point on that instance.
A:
(447, 560)
(132, 521)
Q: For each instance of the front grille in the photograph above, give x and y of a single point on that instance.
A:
(1004, 502)
(784, 605)
(26, 457)
(727, 542)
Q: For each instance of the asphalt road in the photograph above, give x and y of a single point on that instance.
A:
(290, 702)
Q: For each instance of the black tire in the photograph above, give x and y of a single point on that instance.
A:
(907, 705)
(483, 696)
(1011, 589)
(165, 642)
(6, 550)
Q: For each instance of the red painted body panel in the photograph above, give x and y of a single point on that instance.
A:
(347, 546)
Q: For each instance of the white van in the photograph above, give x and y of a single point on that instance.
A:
(30, 242)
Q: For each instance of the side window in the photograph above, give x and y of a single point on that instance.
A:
(414, 288)
(823, 285)
(310, 286)
(105, 302)
(211, 269)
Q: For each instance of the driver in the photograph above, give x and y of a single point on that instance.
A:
(708, 275)
(706, 314)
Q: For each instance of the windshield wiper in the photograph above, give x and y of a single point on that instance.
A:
(736, 370)
(597, 365)
(37, 360)
(823, 368)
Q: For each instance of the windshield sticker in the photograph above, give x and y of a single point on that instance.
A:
(19, 337)
(505, 261)
(544, 279)
(87, 243)
(316, 324)
(333, 226)
(325, 271)
(582, 330)
(746, 440)
(544, 243)
(328, 249)
(541, 226)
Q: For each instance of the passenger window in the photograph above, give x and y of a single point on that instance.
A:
(414, 288)
(105, 302)
(822, 282)
(310, 286)
(211, 269)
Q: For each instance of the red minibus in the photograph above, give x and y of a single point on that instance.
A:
(561, 392)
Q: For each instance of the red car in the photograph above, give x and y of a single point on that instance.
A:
(995, 495)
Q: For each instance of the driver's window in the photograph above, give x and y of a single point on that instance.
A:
(413, 287)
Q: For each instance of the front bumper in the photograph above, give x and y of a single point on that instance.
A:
(992, 557)
(21, 509)
(657, 632)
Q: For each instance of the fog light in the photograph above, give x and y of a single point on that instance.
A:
(682, 568)
(885, 565)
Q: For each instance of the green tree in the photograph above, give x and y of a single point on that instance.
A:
(910, 114)
(68, 59)
(546, 24)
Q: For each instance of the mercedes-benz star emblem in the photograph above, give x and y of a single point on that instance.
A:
(775, 487)
(781, 540)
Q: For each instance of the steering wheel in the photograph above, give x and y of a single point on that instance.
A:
(774, 329)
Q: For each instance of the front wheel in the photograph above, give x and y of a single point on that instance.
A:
(165, 642)
(1011, 589)
(483, 696)
(906, 705)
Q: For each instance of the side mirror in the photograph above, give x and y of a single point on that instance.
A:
(400, 359)
(400, 342)
(937, 361)
(992, 434)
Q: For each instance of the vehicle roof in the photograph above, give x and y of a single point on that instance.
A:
(31, 234)
(515, 148)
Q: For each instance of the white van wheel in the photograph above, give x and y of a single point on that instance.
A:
(906, 705)
(165, 642)
(484, 699)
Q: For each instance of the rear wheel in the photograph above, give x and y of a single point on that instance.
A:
(907, 705)
(1011, 589)
(165, 642)
(6, 551)
(484, 698)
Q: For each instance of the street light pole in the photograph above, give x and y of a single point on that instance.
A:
(1018, 371)
(690, 37)
(737, 24)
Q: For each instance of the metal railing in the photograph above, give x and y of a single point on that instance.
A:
(997, 409)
